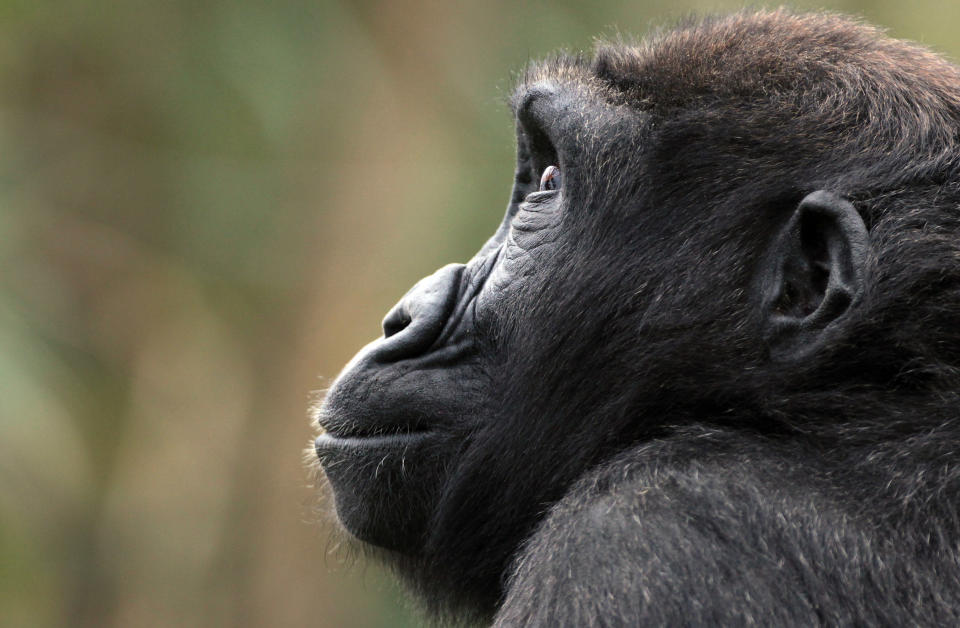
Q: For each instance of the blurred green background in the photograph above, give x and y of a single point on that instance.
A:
(204, 206)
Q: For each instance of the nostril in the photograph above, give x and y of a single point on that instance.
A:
(396, 321)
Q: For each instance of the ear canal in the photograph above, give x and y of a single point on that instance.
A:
(815, 273)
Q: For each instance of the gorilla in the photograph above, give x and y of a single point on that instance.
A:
(707, 370)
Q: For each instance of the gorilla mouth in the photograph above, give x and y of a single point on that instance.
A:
(365, 408)
(374, 433)
(328, 442)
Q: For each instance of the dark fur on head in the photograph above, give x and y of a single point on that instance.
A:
(764, 101)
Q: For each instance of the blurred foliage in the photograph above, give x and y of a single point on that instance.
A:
(202, 206)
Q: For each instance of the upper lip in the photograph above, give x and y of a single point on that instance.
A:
(356, 406)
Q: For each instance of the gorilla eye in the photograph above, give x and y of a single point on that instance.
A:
(550, 179)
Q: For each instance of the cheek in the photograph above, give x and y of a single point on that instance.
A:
(527, 259)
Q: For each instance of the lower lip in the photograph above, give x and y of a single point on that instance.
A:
(328, 442)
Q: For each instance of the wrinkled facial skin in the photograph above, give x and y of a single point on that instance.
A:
(430, 429)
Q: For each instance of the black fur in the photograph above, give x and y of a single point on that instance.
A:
(611, 434)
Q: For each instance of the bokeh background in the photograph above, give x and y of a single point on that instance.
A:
(205, 209)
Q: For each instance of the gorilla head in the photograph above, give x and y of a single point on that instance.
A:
(728, 269)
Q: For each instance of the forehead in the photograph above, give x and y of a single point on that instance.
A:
(753, 56)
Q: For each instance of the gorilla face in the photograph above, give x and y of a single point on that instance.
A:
(404, 416)
(479, 373)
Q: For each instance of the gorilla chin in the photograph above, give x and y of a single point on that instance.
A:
(707, 369)
(365, 506)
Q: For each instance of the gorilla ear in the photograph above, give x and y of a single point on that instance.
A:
(814, 273)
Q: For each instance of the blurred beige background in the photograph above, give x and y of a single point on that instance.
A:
(205, 209)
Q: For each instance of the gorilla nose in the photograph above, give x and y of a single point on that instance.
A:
(417, 321)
